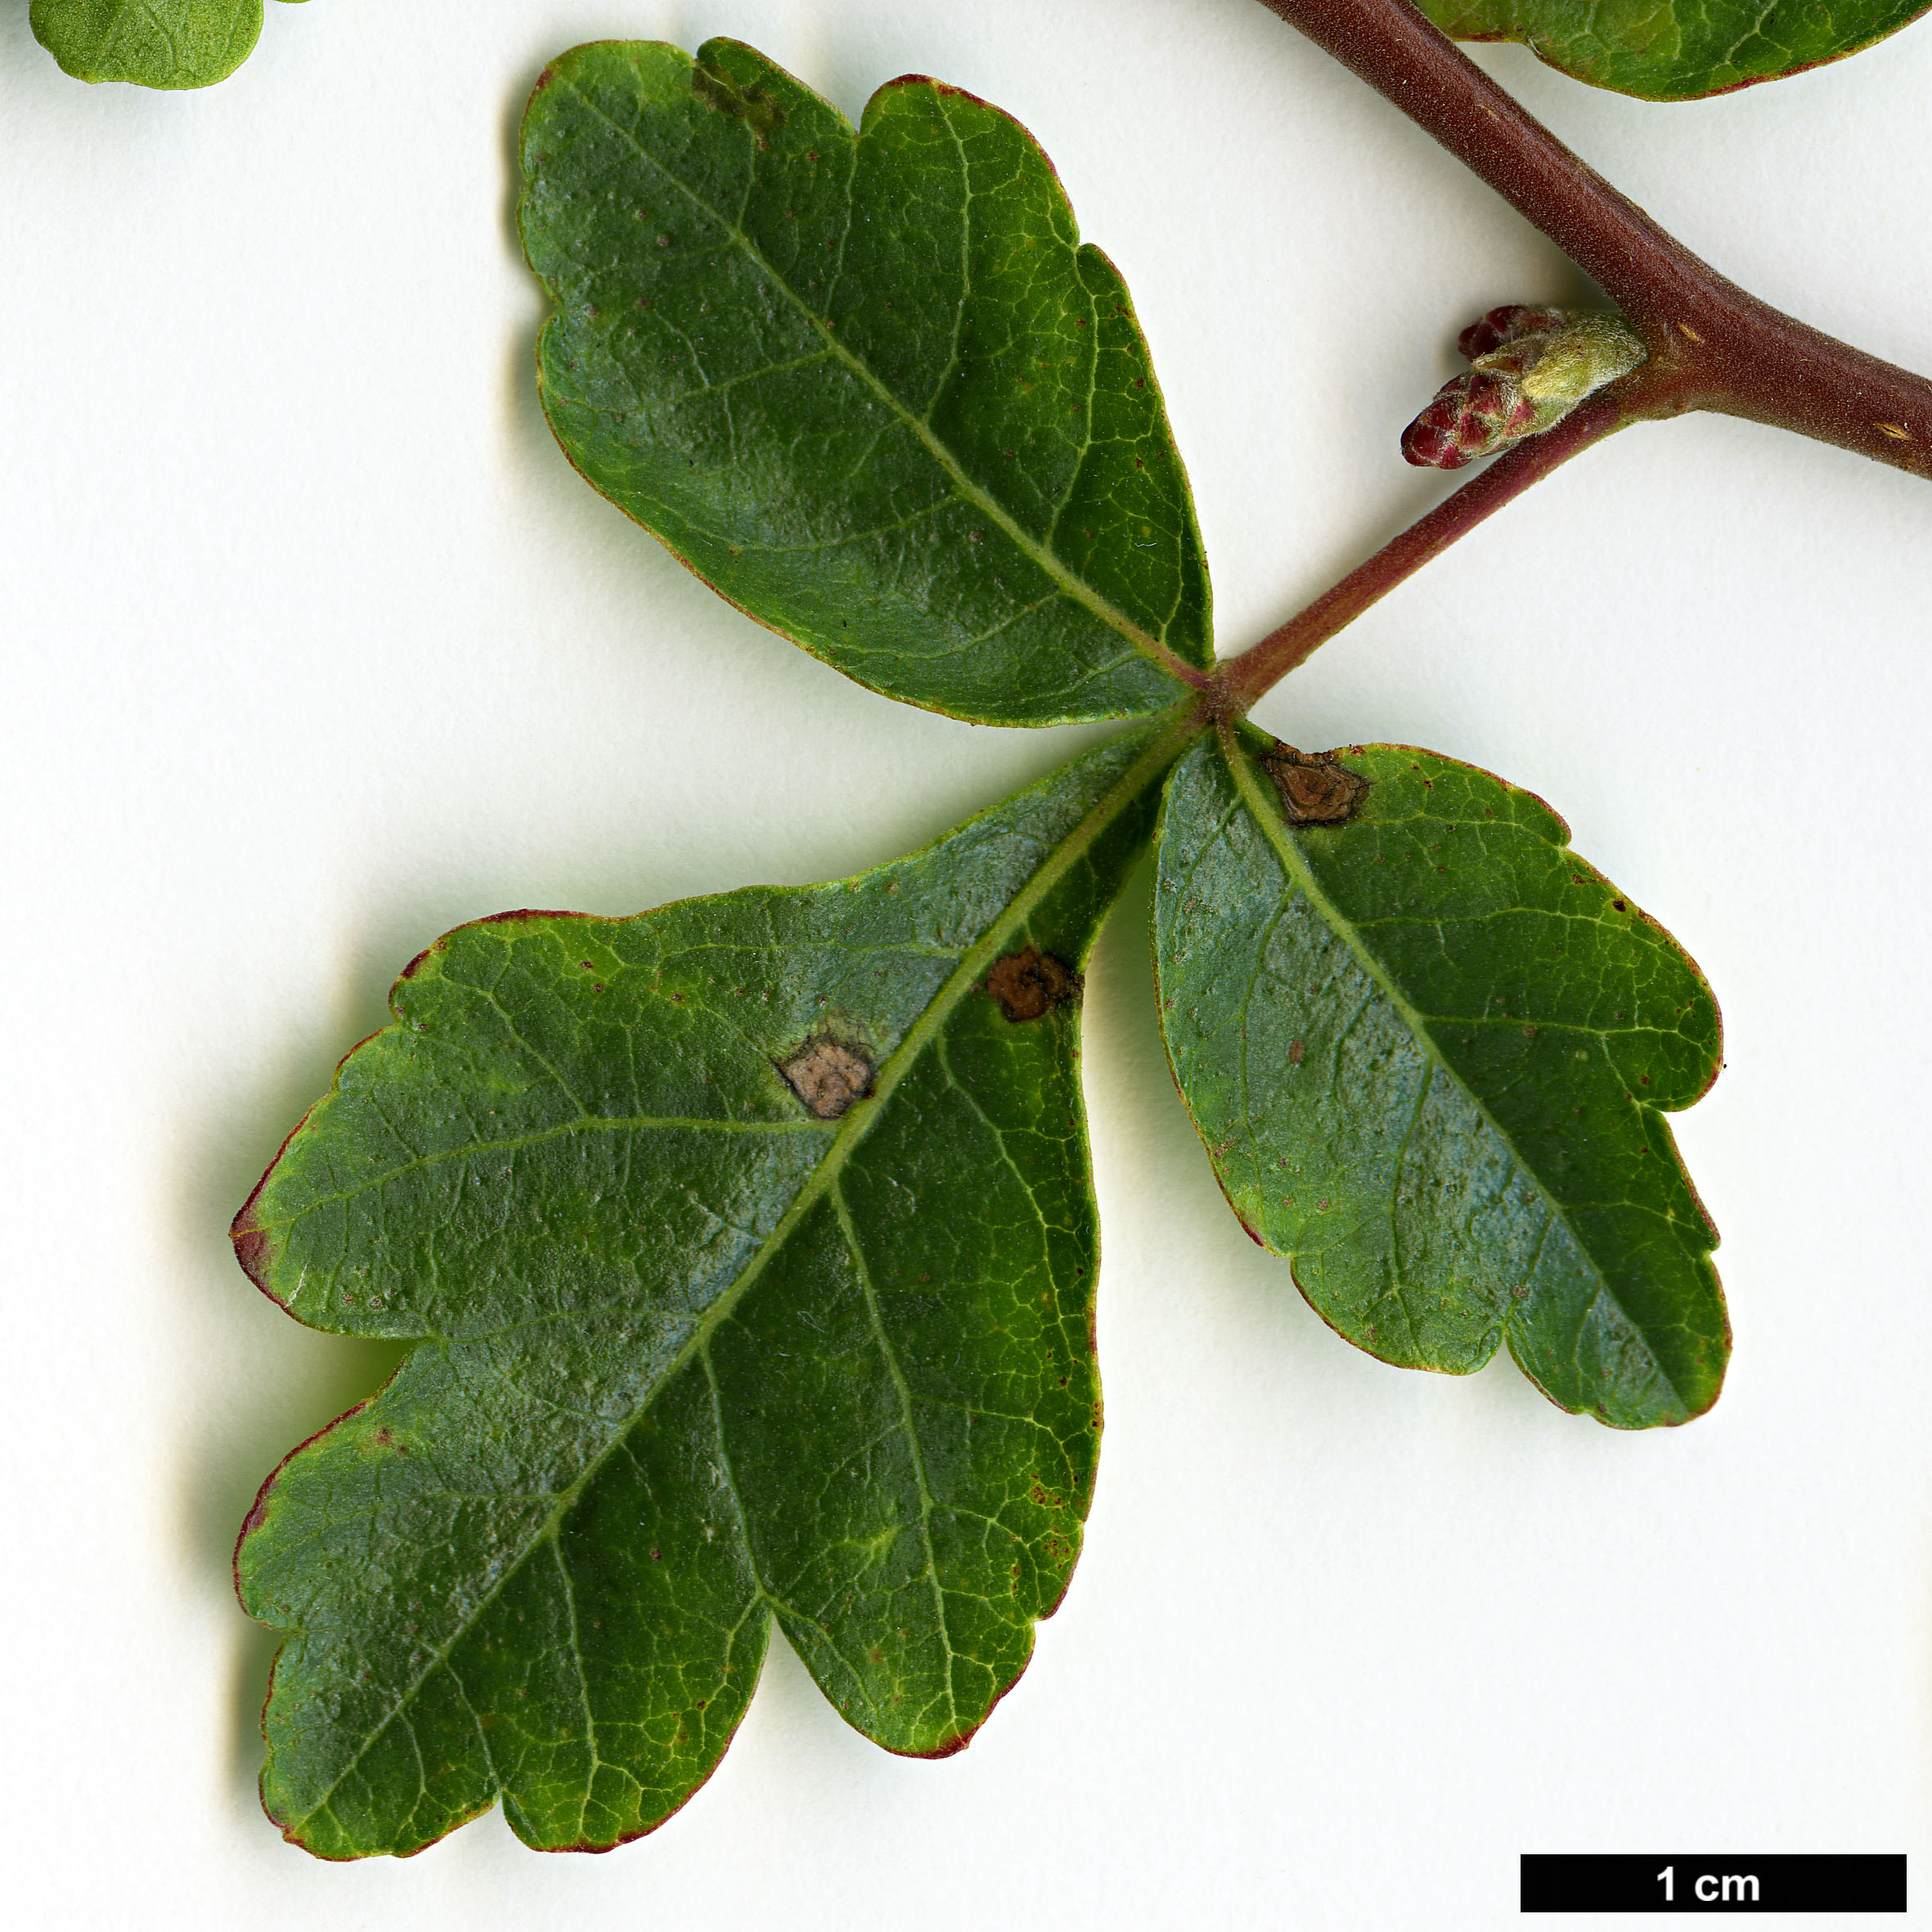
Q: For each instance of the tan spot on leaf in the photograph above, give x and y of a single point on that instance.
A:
(1315, 789)
(828, 1075)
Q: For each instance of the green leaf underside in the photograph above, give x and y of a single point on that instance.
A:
(869, 387)
(1426, 1049)
(154, 44)
(1676, 50)
(687, 1354)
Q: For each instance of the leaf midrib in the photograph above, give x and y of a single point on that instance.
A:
(1046, 560)
(1241, 769)
(852, 1129)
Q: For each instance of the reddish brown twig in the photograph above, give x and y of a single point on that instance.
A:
(1712, 345)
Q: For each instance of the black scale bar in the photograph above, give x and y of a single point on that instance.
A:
(1729, 1881)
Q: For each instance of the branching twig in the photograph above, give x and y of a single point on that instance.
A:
(1712, 345)
(1245, 678)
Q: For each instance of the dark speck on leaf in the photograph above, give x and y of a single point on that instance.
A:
(828, 1075)
(1030, 982)
(1315, 789)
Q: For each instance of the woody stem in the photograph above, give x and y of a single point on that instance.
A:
(1243, 679)
(1712, 345)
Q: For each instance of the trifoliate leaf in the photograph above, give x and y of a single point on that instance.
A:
(747, 1251)
(155, 43)
(1429, 1051)
(869, 386)
(1678, 49)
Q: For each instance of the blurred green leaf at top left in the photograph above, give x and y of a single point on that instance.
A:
(154, 44)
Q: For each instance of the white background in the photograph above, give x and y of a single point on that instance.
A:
(316, 646)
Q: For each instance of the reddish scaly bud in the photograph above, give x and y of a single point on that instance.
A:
(1506, 324)
(1475, 413)
(1537, 365)
(1430, 440)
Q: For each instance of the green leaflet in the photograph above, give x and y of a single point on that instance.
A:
(1678, 49)
(155, 43)
(869, 387)
(1426, 1047)
(699, 1337)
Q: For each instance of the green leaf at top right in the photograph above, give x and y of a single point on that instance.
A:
(1429, 1050)
(1670, 50)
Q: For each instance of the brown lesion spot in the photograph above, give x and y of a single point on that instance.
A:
(1315, 789)
(828, 1075)
(1030, 982)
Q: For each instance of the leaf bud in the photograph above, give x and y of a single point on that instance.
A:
(1506, 324)
(1529, 367)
